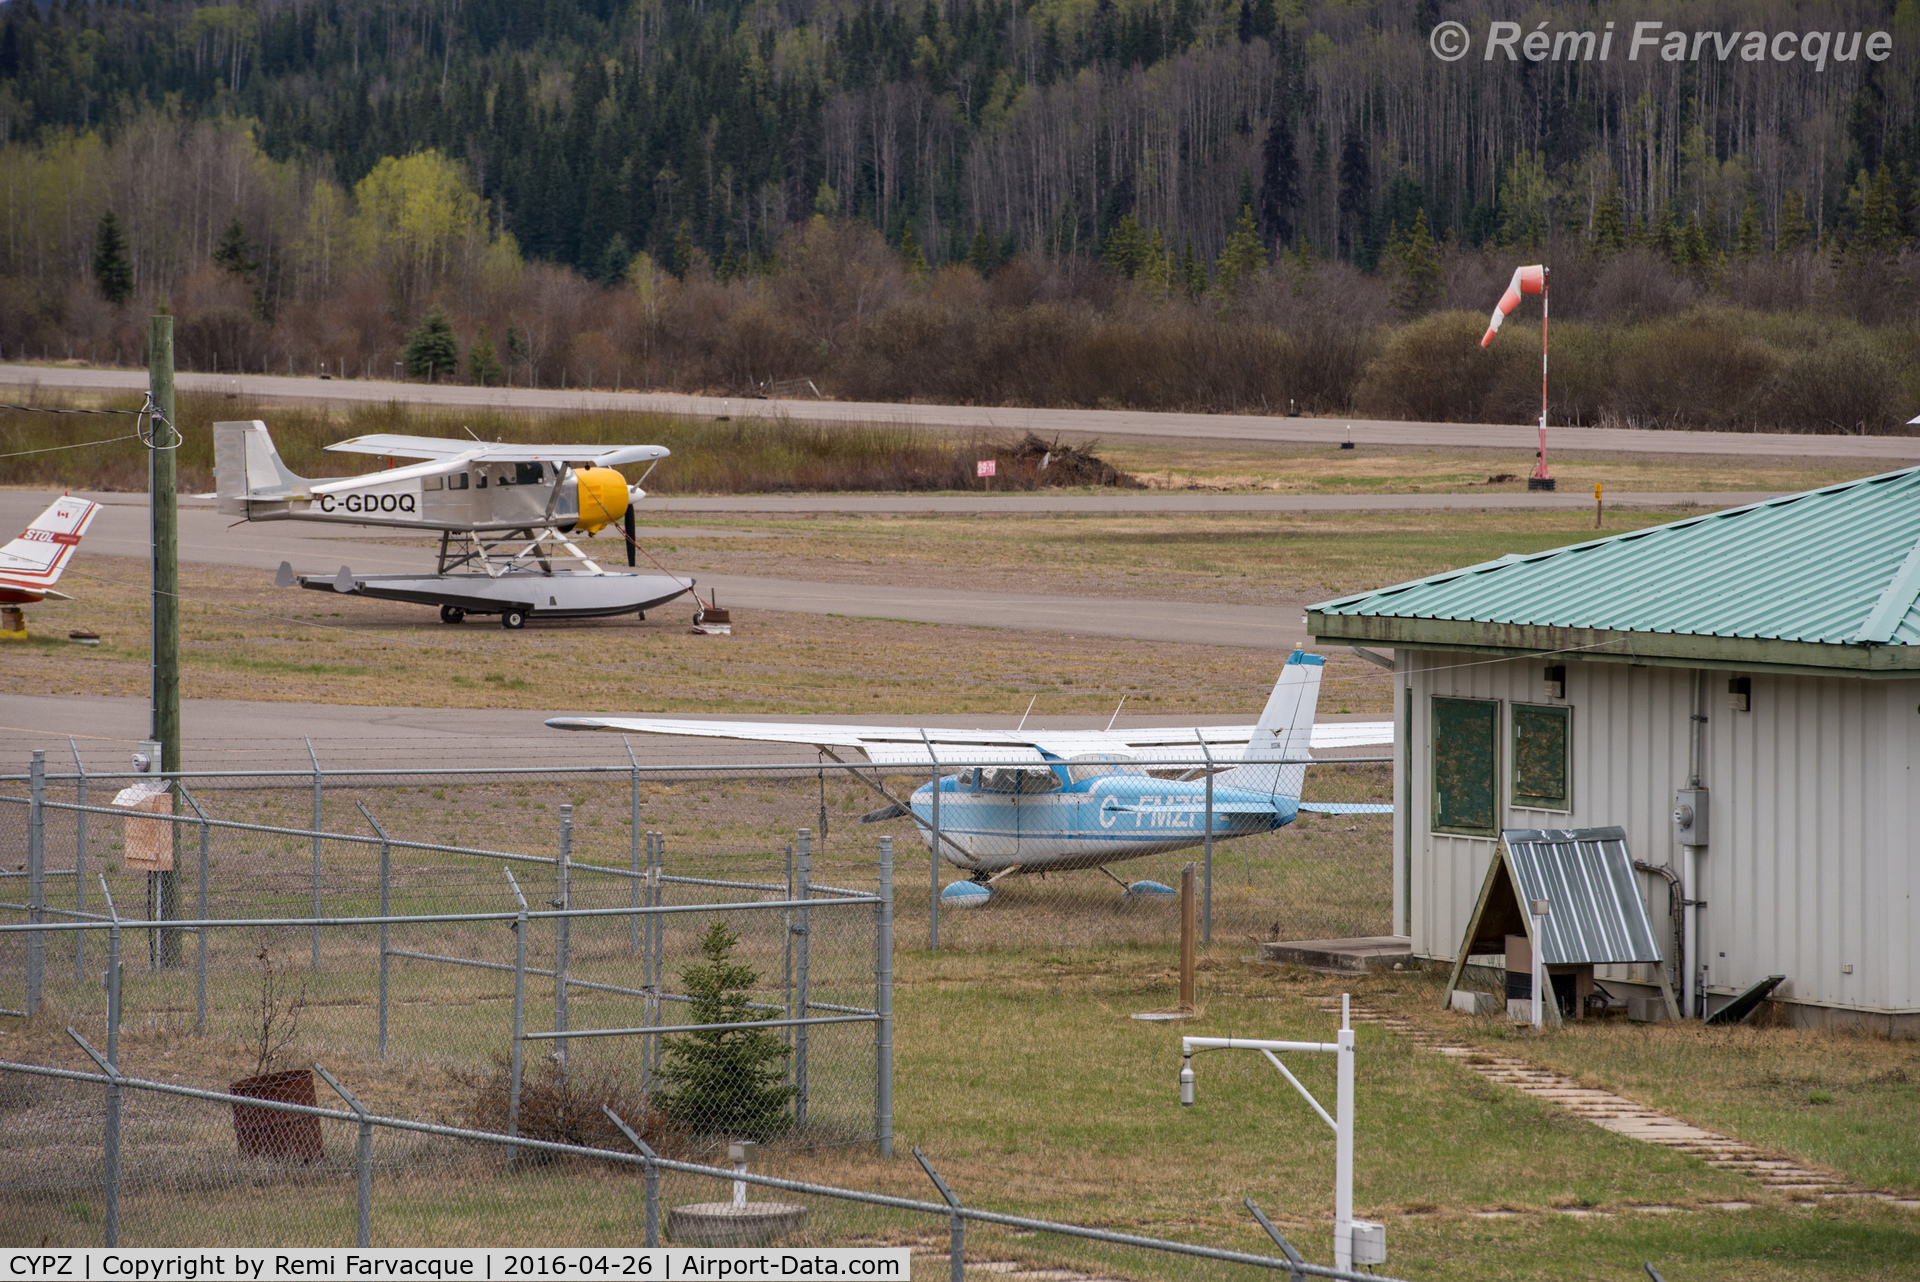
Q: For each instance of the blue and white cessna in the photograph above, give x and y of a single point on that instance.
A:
(1051, 800)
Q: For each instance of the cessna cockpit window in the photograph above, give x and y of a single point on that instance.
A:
(527, 474)
(1098, 765)
(479, 478)
(1025, 780)
(458, 481)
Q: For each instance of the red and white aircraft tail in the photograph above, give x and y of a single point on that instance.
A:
(34, 562)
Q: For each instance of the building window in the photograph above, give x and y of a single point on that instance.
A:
(1540, 756)
(1466, 767)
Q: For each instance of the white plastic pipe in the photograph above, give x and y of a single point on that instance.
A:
(1539, 974)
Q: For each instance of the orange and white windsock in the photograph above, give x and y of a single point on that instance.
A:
(1526, 280)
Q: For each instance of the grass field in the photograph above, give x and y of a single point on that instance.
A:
(1023, 1076)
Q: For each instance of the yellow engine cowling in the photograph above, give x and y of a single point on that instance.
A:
(603, 497)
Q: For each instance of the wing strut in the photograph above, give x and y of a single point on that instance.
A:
(853, 769)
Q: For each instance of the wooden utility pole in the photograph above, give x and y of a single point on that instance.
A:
(163, 506)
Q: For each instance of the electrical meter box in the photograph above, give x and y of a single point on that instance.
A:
(1369, 1243)
(1690, 816)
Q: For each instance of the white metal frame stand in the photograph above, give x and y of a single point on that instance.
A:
(1341, 1121)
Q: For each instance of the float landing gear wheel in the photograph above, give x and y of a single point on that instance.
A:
(513, 618)
(452, 614)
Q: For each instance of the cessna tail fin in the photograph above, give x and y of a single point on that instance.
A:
(248, 472)
(1284, 732)
(36, 560)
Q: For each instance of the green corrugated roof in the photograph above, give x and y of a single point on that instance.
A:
(1837, 566)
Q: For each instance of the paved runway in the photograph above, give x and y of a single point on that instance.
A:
(1272, 429)
(208, 538)
(121, 530)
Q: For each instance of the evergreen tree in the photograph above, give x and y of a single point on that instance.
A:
(729, 1081)
(910, 255)
(1880, 230)
(1009, 246)
(1279, 182)
(1126, 251)
(980, 253)
(1355, 200)
(1418, 262)
(1693, 245)
(682, 249)
(1609, 228)
(1795, 231)
(1193, 272)
(483, 364)
(1156, 273)
(1243, 256)
(112, 270)
(519, 351)
(234, 253)
(1746, 241)
(1664, 238)
(432, 349)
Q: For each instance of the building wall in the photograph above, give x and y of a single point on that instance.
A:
(1814, 825)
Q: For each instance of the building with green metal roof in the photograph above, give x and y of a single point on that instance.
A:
(1764, 661)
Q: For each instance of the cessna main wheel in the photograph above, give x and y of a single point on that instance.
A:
(452, 614)
(513, 618)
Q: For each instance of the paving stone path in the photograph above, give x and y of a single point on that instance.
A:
(1625, 1116)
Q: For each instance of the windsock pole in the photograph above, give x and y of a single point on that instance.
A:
(1540, 468)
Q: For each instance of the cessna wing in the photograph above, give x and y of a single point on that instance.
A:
(437, 448)
(911, 745)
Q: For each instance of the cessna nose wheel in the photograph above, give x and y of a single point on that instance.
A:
(452, 614)
(511, 618)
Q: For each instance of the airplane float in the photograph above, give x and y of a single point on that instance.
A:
(507, 516)
(34, 562)
(1054, 800)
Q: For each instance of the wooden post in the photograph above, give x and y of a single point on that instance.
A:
(164, 515)
(1187, 933)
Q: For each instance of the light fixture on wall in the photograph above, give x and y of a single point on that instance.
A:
(1740, 694)
(1557, 682)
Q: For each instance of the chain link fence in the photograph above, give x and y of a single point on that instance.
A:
(400, 926)
(96, 1155)
(1320, 876)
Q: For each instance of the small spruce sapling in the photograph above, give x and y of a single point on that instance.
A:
(729, 1081)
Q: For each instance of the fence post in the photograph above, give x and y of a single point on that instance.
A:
(386, 910)
(653, 1175)
(633, 830)
(658, 896)
(111, 1165)
(933, 927)
(562, 930)
(318, 797)
(36, 876)
(804, 847)
(519, 1011)
(786, 980)
(883, 1002)
(1206, 894)
(957, 1257)
(200, 965)
(80, 864)
(363, 1230)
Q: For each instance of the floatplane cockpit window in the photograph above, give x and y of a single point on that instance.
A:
(1098, 765)
(1026, 780)
(457, 481)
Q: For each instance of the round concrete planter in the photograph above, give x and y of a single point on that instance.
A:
(724, 1224)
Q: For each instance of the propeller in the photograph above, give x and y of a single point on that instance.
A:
(630, 536)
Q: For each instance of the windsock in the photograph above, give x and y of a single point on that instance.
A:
(1526, 280)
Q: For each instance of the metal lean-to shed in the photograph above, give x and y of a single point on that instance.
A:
(1597, 917)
